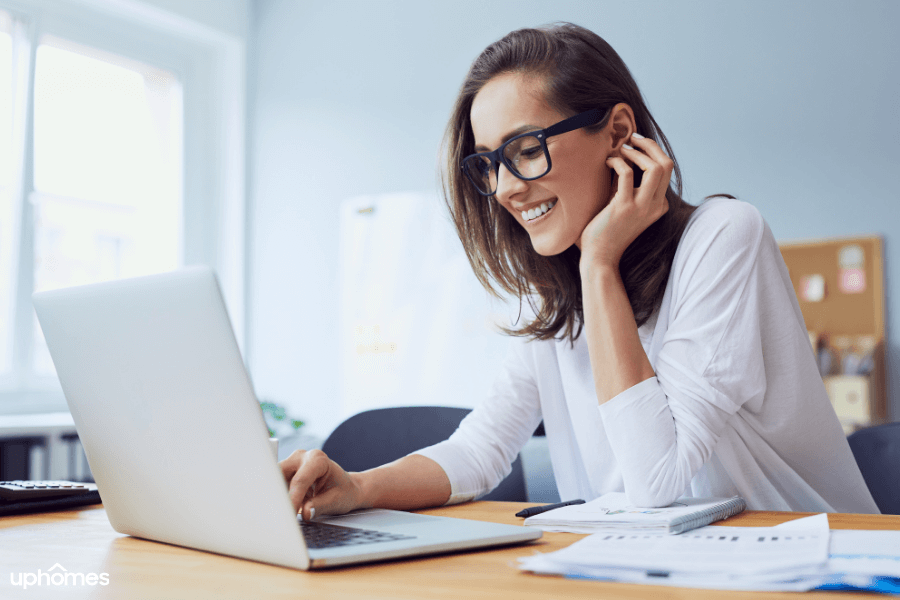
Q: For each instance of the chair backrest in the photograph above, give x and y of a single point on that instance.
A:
(376, 437)
(877, 452)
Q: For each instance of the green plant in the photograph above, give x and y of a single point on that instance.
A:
(277, 419)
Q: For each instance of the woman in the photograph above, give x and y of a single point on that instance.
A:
(665, 350)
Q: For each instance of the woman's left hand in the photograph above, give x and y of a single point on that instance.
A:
(630, 210)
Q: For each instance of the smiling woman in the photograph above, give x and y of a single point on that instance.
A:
(694, 375)
(530, 81)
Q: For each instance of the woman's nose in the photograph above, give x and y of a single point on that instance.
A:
(508, 184)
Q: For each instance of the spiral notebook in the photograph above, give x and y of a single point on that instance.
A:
(613, 512)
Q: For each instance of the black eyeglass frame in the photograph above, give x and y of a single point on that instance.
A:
(585, 119)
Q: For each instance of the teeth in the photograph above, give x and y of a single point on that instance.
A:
(528, 215)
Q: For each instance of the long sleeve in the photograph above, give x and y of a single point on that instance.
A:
(708, 364)
(479, 455)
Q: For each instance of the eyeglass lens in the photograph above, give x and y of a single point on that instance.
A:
(525, 155)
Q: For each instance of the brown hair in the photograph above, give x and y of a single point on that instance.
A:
(580, 71)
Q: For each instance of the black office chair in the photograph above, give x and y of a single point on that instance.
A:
(376, 437)
(877, 452)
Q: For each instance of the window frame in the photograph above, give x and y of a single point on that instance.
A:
(211, 66)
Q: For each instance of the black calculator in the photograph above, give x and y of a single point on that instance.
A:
(31, 490)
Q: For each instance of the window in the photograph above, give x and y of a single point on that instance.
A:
(121, 154)
(7, 207)
(107, 185)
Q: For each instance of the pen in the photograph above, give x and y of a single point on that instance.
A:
(536, 510)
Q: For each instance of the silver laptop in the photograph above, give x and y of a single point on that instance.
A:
(176, 440)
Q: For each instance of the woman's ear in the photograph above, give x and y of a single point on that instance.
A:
(620, 125)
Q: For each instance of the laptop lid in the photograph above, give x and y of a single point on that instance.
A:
(167, 416)
(176, 440)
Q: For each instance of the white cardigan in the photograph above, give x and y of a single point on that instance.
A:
(737, 405)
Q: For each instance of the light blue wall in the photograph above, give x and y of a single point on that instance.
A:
(230, 16)
(793, 106)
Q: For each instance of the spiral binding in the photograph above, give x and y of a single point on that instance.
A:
(723, 510)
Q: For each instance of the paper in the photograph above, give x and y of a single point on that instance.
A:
(856, 551)
(818, 522)
(708, 550)
(735, 558)
(865, 552)
(797, 555)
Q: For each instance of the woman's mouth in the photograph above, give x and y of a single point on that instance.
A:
(534, 214)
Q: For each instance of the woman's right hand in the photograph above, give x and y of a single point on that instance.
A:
(318, 485)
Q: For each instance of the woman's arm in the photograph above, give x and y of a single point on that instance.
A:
(708, 357)
(618, 360)
(318, 485)
(472, 462)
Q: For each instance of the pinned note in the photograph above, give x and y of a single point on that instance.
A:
(852, 281)
(812, 288)
(851, 256)
(851, 272)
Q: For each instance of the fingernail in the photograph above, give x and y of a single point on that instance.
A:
(627, 146)
(637, 135)
(312, 514)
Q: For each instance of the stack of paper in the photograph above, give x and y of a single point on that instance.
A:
(795, 556)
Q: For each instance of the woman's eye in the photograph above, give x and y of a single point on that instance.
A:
(531, 153)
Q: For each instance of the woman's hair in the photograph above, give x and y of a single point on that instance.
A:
(580, 71)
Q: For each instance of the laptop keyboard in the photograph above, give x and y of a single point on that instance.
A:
(325, 535)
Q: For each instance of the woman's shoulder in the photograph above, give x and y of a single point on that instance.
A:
(723, 238)
(727, 221)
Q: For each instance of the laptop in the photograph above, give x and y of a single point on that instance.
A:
(176, 439)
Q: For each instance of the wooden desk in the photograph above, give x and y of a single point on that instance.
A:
(82, 541)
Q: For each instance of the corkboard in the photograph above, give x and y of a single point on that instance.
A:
(840, 313)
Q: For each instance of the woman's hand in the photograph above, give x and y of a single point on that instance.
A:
(318, 485)
(630, 210)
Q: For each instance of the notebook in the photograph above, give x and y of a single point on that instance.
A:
(176, 440)
(613, 512)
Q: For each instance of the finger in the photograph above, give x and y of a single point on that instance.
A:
(314, 467)
(626, 176)
(306, 510)
(290, 465)
(650, 147)
(656, 153)
(653, 171)
(325, 503)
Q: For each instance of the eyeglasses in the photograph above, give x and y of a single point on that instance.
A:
(525, 155)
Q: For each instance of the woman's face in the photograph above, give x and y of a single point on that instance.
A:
(578, 184)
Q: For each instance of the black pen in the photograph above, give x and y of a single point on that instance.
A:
(536, 510)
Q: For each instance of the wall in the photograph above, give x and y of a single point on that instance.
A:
(228, 16)
(791, 106)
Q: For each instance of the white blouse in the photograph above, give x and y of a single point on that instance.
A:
(737, 406)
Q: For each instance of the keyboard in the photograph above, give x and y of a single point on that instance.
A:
(325, 535)
(28, 490)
